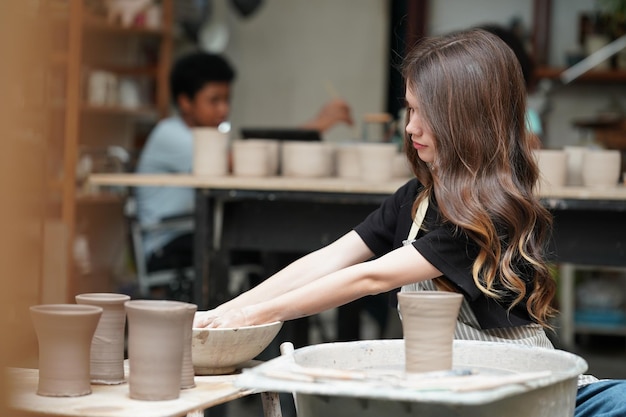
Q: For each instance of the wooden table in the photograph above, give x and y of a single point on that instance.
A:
(114, 400)
(292, 214)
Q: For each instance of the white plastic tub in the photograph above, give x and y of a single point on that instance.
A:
(551, 395)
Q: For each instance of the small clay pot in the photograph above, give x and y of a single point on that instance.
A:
(428, 323)
(64, 333)
(156, 340)
(107, 346)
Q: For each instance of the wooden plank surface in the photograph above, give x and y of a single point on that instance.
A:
(331, 184)
(114, 401)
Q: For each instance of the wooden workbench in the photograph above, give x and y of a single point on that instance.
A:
(114, 400)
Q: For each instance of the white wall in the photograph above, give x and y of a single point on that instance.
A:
(289, 50)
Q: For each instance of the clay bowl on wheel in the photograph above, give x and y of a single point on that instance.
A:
(219, 351)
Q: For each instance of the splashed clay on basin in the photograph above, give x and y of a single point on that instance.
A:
(219, 351)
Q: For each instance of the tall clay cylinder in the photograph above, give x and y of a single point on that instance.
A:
(187, 379)
(107, 346)
(156, 339)
(428, 323)
(64, 334)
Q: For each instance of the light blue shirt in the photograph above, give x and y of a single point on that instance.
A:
(168, 150)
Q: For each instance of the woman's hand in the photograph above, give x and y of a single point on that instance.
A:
(231, 319)
(205, 318)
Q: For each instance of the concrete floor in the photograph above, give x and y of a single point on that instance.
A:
(606, 356)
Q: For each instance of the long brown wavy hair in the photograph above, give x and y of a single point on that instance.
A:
(471, 92)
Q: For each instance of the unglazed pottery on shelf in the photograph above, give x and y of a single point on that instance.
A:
(428, 323)
(156, 336)
(601, 167)
(64, 333)
(552, 164)
(210, 153)
(107, 346)
(376, 161)
(251, 158)
(187, 374)
(307, 159)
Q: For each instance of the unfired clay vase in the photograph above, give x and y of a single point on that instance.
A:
(107, 346)
(156, 338)
(187, 374)
(601, 167)
(376, 161)
(64, 333)
(210, 154)
(552, 165)
(428, 323)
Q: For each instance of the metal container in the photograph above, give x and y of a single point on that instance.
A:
(550, 393)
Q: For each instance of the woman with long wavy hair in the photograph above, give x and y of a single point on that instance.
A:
(484, 233)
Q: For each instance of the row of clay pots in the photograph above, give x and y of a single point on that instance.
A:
(577, 165)
(301, 159)
(83, 344)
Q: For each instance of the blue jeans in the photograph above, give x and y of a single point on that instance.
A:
(602, 399)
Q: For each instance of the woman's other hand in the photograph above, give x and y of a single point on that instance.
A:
(230, 319)
(204, 318)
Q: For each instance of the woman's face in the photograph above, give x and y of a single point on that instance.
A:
(418, 130)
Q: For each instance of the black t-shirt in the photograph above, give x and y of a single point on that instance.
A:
(443, 245)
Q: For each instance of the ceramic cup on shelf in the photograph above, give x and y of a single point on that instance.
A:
(574, 164)
(552, 164)
(210, 156)
(348, 165)
(601, 167)
(428, 323)
(107, 346)
(307, 159)
(255, 157)
(64, 334)
(376, 161)
(156, 348)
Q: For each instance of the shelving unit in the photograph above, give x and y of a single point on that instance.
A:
(90, 227)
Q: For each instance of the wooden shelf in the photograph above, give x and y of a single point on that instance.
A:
(96, 24)
(608, 76)
(149, 112)
(145, 71)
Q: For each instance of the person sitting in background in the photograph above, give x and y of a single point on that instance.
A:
(200, 85)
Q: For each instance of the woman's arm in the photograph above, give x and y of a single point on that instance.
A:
(347, 250)
(399, 267)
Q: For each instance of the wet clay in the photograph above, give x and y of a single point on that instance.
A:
(156, 338)
(428, 323)
(107, 346)
(64, 334)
